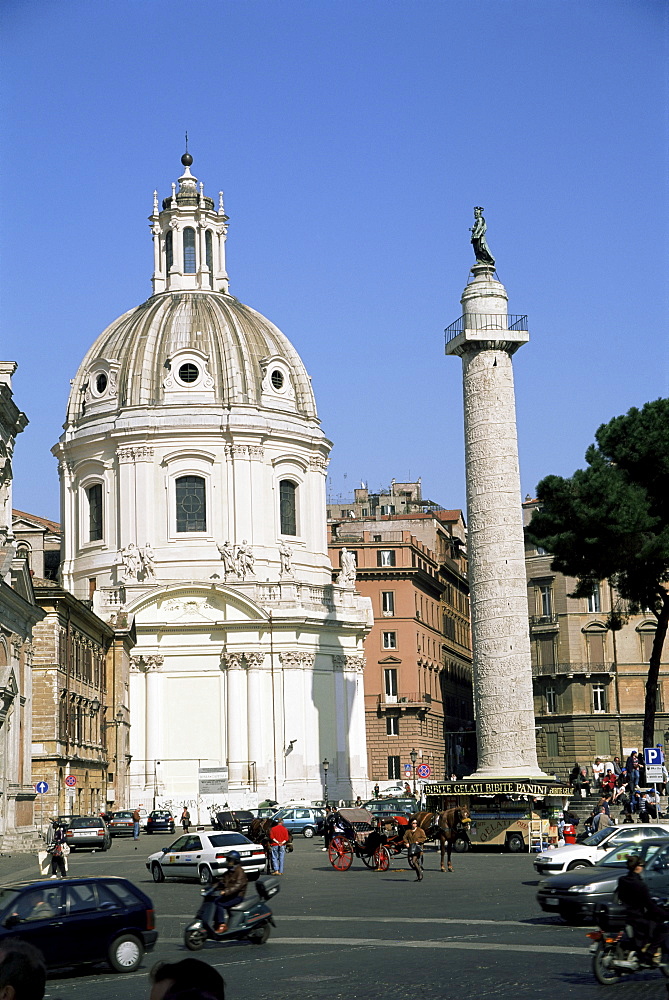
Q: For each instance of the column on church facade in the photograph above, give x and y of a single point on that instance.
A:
(237, 700)
(256, 680)
(127, 516)
(154, 715)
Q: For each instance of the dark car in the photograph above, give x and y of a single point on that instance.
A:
(88, 831)
(574, 895)
(391, 807)
(80, 920)
(226, 820)
(120, 823)
(160, 821)
(244, 818)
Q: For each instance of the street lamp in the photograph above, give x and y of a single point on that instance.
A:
(325, 765)
(414, 757)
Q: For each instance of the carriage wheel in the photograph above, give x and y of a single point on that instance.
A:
(368, 860)
(340, 853)
(382, 859)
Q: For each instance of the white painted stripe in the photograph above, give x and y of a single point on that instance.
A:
(531, 949)
(401, 920)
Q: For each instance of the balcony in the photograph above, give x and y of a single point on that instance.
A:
(415, 701)
(543, 621)
(571, 668)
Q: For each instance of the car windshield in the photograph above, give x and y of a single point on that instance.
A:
(227, 839)
(85, 823)
(597, 837)
(122, 815)
(618, 857)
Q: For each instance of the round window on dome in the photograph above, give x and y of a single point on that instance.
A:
(100, 383)
(189, 373)
(277, 379)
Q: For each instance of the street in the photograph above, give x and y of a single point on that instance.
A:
(476, 932)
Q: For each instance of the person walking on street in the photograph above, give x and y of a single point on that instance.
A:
(136, 819)
(414, 838)
(58, 852)
(185, 820)
(278, 838)
(632, 768)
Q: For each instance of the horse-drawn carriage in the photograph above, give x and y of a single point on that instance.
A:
(355, 833)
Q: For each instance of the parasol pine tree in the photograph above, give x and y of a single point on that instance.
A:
(610, 521)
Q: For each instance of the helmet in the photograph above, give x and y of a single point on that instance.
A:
(232, 858)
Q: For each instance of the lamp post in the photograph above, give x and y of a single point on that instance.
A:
(414, 757)
(325, 765)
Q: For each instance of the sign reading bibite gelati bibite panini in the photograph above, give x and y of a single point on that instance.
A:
(536, 788)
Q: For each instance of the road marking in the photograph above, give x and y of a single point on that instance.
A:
(395, 920)
(545, 949)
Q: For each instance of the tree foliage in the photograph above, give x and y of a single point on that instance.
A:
(610, 521)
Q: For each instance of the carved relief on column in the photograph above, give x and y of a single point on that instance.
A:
(350, 662)
(254, 660)
(319, 464)
(298, 660)
(17, 643)
(142, 664)
(232, 661)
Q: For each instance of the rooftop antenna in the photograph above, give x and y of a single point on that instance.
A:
(186, 141)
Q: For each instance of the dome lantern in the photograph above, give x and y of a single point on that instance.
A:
(188, 238)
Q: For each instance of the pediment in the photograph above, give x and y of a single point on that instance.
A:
(390, 659)
(193, 606)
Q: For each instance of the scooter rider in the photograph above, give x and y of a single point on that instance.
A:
(232, 888)
(646, 916)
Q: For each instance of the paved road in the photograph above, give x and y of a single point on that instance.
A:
(475, 933)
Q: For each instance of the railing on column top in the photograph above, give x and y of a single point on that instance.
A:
(274, 593)
(485, 321)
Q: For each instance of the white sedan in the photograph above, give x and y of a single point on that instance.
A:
(592, 850)
(202, 856)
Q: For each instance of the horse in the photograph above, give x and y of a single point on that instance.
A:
(259, 833)
(446, 826)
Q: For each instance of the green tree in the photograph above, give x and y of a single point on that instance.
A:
(610, 521)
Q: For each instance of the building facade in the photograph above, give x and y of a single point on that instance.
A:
(81, 668)
(589, 663)
(38, 541)
(193, 497)
(18, 616)
(418, 694)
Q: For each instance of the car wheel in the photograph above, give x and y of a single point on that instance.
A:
(578, 864)
(157, 872)
(204, 875)
(126, 953)
(308, 832)
(515, 844)
(460, 845)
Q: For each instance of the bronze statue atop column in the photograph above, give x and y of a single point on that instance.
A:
(478, 231)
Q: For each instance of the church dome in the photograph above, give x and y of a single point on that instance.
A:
(191, 346)
(191, 342)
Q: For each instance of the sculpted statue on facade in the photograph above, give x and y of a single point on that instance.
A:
(130, 560)
(147, 561)
(285, 554)
(227, 553)
(245, 560)
(346, 575)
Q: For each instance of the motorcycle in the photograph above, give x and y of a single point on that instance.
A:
(250, 919)
(615, 952)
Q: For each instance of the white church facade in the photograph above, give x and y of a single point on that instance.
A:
(192, 469)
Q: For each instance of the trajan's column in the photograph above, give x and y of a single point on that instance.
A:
(486, 337)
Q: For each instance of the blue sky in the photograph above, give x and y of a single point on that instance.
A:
(352, 140)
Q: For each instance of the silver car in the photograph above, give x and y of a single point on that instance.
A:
(202, 856)
(88, 831)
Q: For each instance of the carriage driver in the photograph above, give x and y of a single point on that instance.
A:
(232, 887)
(415, 837)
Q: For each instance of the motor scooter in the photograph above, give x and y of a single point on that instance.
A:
(615, 952)
(250, 919)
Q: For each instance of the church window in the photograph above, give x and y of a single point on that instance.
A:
(189, 373)
(277, 379)
(189, 251)
(169, 250)
(94, 494)
(100, 382)
(191, 504)
(288, 507)
(208, 249)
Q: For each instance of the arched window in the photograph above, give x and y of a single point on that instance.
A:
(191, 504)
(169, 251)
(288, 507)
(189, 251)
(209, 250)
(94, 494)
(23, 552)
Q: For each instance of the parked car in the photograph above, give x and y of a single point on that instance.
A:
(575, 894)
(592, 850)
(160, 821)
(391, 807)
(80, 920)
(88, 831)
(202, 856)
(302, 819)
(120, 823)
(225, 819)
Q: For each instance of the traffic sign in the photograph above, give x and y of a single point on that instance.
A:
(423, 770)
(654, 773)
(407, 768)
(653, 756)
(70, 781)
(41, 787)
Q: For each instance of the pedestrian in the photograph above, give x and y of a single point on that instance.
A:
(358, 803)
(278, 838)
(58, 851)
(632, 768)
(376, 790)
(22, 971)
(597, 771)
(136, 819)
(617, 766)
(414, 838)
(653, 803)
(642, 807)
(185, 820)
(188, 978)
(602, 820)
